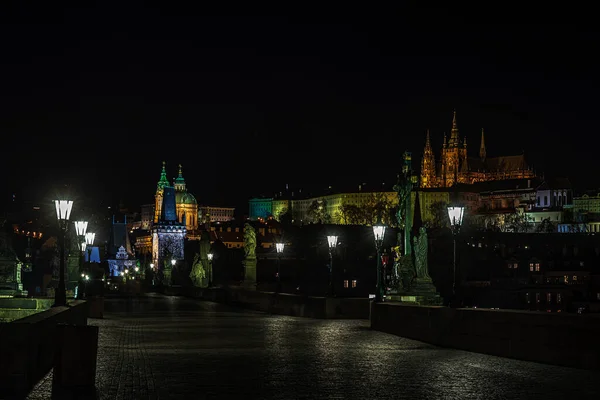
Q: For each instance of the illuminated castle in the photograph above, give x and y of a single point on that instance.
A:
(456, 166)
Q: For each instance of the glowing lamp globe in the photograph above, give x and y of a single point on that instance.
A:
(173, 262)
(378, 232)
(210, 256)
(89, 238)
(332, 241)
(456, 213)
(279, 247)
(80, 227)
(63, 209)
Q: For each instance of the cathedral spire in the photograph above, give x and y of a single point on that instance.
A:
(179, 182)
(454, 139)
(482, 153)
(428, 177)
(163, 181)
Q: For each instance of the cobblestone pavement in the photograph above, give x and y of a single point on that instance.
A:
(161, 347)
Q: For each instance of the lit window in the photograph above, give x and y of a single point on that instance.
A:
(537, 267)
(549, 297)
(346, 283)
(531, 267)
(559, 298)
(566, 278)
(354, 283)
(574, 277)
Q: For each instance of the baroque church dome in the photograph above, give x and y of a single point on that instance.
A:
(185, 198)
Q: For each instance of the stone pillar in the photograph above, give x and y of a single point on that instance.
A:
(73, 272)
(167, 272)
(250, 273)
(10, 277)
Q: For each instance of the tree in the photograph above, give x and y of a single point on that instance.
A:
(546, 226)
(317, 212)
(285, 217)
(517, 222)
(439, 215)
(353, 214)
(378, 208)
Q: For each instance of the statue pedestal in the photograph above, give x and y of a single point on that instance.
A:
(167, 273)
(423, 285)
(10, 277)
(421, 293)
(249, 273)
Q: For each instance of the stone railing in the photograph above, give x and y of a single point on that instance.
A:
(280, 303)
(28, 346)
(562, 339)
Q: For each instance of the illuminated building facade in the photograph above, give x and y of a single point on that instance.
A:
(186, 205)
(216, 214)
(168, 233)
(455, 166)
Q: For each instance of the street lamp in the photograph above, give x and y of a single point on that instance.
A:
(210, 271)
(173, 261)
(80, 230)
(279, 247)
(89, 241)
(455, 213)
(63, 212)
(331, 242)
(379, 234)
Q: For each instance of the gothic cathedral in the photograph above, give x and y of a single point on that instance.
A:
(456, 166)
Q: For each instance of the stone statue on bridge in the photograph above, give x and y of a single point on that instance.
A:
(421, 249)
(249, 241)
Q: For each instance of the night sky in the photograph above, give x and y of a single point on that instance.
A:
(97, 98)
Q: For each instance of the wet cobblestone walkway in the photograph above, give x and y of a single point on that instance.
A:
(160, 347)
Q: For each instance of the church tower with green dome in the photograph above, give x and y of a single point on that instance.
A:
(187, 206)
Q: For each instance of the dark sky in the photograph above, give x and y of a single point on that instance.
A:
(97, 98)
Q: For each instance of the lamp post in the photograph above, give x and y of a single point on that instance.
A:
(210, 271)
(455, 213)
(279, 247)
(89, 241)
(331, 242)
(379, 234)
(63, 212)
(80, 230)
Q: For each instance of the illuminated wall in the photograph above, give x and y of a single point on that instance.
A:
(279, 206)
(217, 214)
(190, 212)
(147, 216)
(260, 208)
(167, 242)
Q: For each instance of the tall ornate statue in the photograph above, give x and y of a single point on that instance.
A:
(421, 248)
(249, 241)
(403, 188)
(198, 274)
(201, 267)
